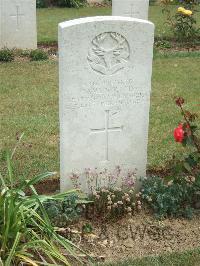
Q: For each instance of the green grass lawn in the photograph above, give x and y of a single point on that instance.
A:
(29, 104)
(188, 258)
(48, 19)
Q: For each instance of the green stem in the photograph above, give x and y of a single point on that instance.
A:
(192, 134)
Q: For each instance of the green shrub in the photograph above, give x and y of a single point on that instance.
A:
(37, 55)
(60, 3)
(176, 196)
(71, 3)
(6, 55)
(24, 53)
(183, 23)
(171, 198)
(65, 212)
(41, 3)
(163, 44)
(108, 2)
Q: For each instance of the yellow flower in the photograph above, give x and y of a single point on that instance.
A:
(181, 9)
(184, 11)
(187, 12)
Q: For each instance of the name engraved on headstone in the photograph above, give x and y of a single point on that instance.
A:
(103, 101)
(106, 94)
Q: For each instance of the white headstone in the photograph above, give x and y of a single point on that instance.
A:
(131, 8)
(18, 24)
(105, 82)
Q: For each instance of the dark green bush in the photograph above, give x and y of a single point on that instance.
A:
(60, 3)
(6, 55)
(163, 44)
(24, 53)
(37, 55)
(41, 3)
(71, 3)
(108, 2)
(65, 212)
(173, 198)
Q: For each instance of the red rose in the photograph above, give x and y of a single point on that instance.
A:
(179, 133)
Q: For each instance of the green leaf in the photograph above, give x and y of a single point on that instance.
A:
(39, 178)
(12, 251)
(9, 167)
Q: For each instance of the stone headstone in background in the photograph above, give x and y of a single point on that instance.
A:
(131, 8)
(105, 82)
(18, 24)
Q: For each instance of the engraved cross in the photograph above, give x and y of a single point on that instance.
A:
(17, 16)
(107, 129)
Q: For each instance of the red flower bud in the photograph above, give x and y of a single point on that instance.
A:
(180, 101)
(179, 133)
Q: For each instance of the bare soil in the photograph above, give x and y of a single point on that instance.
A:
(48, 186)
(137, 236)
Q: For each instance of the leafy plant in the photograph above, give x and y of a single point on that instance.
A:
(26, 233)
(71, 3)
(41, 3)
(172, 197)
(176, 196)
(6, 55)
(107, 2)
(60, 3)
(66, 211)
(87, 228)
(163, 44)
(183, 24)
(24, 53)
(187, 134)
(37, 55)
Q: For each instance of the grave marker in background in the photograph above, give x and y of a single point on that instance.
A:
(18, 24)
(131, 8)
(105, 66)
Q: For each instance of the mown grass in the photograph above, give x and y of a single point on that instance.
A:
(48, 19)
(29, 104)
(188, 258)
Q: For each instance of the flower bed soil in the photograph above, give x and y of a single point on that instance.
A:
(48, 186)
(175, 47)
(137, 236)
(52, 50)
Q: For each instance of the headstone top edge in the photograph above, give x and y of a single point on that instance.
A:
(80, 21)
